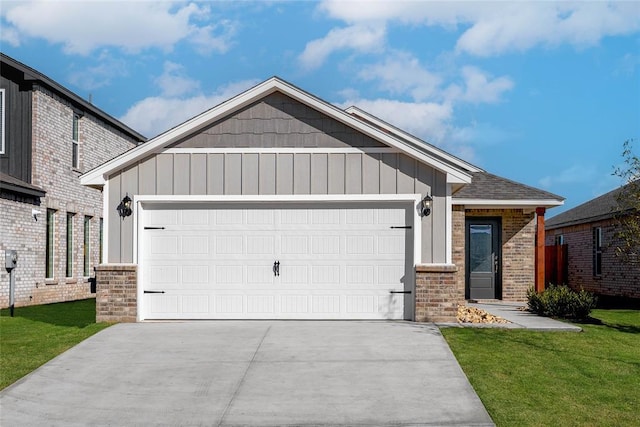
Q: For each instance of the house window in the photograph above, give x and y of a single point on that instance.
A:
(559, 240)
(75, 146)
(87, 252)
(50, 243)
(2, 121)
(100, 240)
(597, 251)
(69, 268)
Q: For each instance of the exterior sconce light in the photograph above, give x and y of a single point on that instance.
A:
(426, 205)
(124, 208)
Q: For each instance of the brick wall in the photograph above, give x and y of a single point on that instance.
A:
(518, 248)
(51, 170)
(116, 296)
(438, 293)
(617, 279)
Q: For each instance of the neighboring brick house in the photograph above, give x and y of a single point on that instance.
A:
(589, 232)
(50, 136)
(276, 204)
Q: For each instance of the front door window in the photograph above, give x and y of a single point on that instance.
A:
(483, 258)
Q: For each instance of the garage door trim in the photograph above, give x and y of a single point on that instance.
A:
(141, 203)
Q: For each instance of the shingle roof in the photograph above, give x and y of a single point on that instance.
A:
(601, 207)
(486, 186)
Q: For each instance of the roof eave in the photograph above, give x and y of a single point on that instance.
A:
(510, 203)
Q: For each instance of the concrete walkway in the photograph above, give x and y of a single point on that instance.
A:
(523, 319)
(250, 373)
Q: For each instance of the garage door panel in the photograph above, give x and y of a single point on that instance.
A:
(335, 263)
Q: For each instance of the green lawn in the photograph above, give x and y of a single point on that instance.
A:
(527, 378)
(37, 334)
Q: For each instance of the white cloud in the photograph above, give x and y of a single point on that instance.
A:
(402, 73)
(363, 38)
(173, 81)
(493, 28)
(479, 87)
(154, 115)
(83, 26)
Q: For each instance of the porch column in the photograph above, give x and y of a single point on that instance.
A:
(540, 240)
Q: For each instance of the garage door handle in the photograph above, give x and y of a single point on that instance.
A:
(399, 292)
(154, 292)
(154, 228)
(276, 268)
(406, 227)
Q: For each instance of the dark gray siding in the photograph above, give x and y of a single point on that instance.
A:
(16, 160)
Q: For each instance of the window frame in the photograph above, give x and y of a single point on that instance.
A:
(597, 251)
(86, 246)
(3, 122)
(101, 241)
(559, 239)
(49, 270)
(69, 248)
(75, 141)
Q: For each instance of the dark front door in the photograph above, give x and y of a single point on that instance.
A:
(483, 258)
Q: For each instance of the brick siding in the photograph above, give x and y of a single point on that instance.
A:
(438, 293)
(52, 171)
(518, 248)
(617, 279)
(116, 295)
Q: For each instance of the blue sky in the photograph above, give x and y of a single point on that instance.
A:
(543, 93)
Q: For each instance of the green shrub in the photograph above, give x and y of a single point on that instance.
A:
(561, 301)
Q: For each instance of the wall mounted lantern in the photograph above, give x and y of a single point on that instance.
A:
(124, 208)
(426, 205)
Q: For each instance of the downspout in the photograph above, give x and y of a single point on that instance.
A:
(540, 241)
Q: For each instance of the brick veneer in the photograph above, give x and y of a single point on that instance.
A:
(52, 118)
(116, 293)
(438, 293)
(617, 279)
(518, 248)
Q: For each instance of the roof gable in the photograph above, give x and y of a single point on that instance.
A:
(277, 120)
(97, 176)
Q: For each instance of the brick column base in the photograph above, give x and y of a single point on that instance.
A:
(438, 293)
(116, 293)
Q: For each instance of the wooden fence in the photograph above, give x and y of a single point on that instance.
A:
(555, 262)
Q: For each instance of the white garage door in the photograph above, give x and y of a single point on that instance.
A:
(302, 261)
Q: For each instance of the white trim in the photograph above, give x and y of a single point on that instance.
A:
(502, 204)
(404, 135)
(282, 150)
(293, 198)
(98, 175)
(105, 223)
(448, 227)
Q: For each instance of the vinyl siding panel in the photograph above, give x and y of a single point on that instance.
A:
(198, 176)
(215, 174)
(267, 174)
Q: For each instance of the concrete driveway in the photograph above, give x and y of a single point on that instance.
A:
(250, 373)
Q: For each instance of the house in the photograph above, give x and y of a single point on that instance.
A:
(49, 137)
(589, 232)
(278, 205)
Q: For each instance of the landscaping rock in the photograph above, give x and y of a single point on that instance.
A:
(476, 315)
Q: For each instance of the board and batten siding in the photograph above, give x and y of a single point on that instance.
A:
(300, 173)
